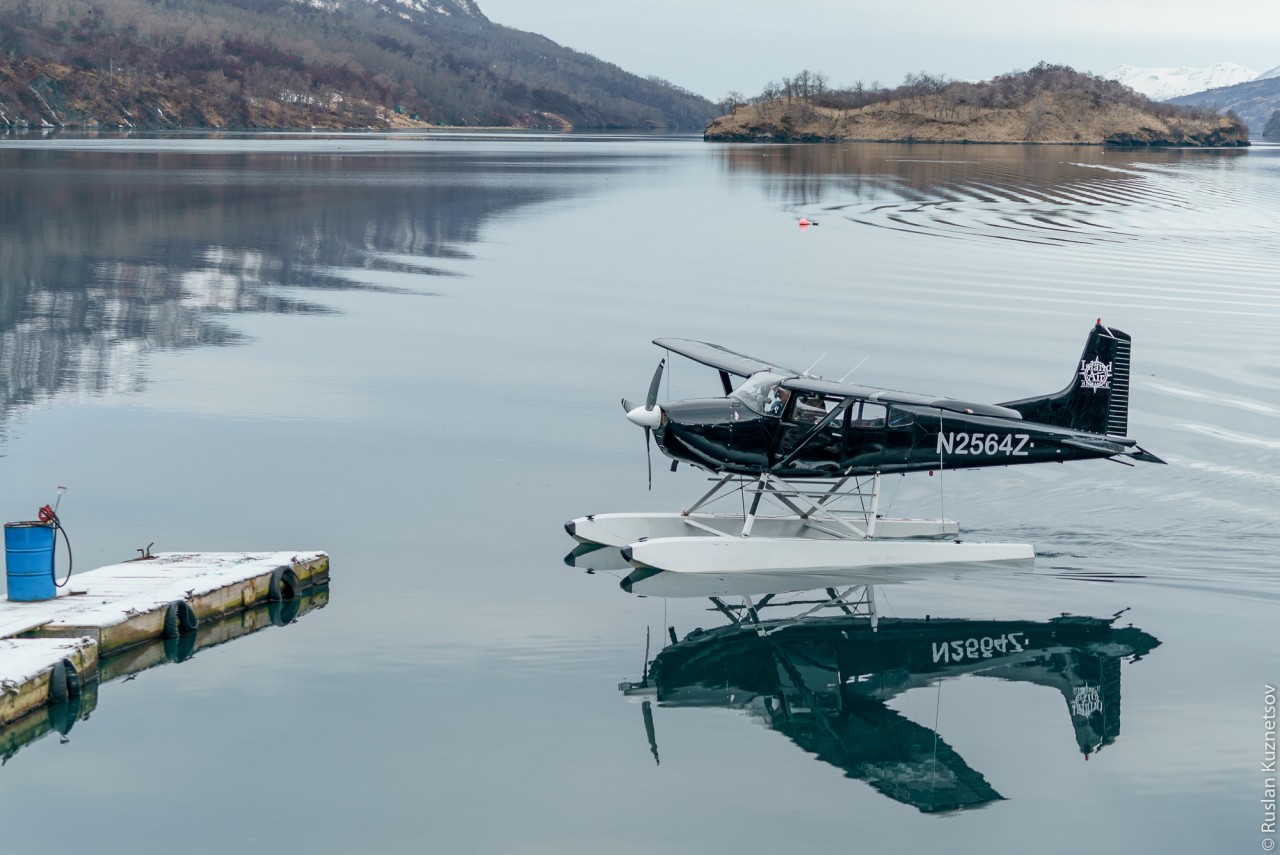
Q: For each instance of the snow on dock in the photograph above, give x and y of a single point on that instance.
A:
(29, 668)
(58, 719)
(48, 648)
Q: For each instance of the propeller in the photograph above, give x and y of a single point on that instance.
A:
(648, 416)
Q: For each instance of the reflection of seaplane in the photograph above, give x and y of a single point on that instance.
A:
(815, 450)
(825, 683)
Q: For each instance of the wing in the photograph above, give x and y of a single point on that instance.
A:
(718, 357)
(836, 389)
(723, 359)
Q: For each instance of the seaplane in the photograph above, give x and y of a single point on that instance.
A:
(805, 456)
(828, 681)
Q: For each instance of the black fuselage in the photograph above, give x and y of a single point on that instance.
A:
(795, 425)
(725, 435)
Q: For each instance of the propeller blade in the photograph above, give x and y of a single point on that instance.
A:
(648, 454)
(653, 386)
(645, 677)
(648, 417)
(646, 709)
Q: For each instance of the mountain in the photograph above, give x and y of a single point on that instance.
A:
(309, 63)
(1161, 84)
(1254, 102)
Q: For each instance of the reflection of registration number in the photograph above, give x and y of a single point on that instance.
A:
(978, 648)
(983, 443)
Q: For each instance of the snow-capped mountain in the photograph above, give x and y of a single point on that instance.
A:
(1275, 72)
(1163, 83)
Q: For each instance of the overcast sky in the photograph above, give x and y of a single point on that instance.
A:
(713, 47)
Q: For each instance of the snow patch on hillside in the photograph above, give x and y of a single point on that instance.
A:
(465, 8)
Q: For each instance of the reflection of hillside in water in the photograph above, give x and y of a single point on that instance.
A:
(1037, 194)
(825, 684)
(106, 255)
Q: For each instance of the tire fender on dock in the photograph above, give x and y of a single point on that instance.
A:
(284, 585)
(179, 619)
(64, 682)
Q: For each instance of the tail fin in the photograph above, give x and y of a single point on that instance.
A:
(1097, 399)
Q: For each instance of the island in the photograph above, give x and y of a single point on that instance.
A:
(1047, 104)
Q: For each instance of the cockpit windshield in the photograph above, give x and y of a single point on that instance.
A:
(762, 392)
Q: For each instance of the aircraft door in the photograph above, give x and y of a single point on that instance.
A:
(864, 446)
(819, 453)
(900, 440)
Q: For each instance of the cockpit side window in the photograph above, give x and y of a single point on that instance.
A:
(763, 393)
(811, 408)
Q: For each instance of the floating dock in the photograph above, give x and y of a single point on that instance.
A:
(51, 650)
(60, 718)
(33, 671)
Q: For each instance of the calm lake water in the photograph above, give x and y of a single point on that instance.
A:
(408, 352)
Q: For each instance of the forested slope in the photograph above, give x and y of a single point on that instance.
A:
(330, 63)
(1254, 101)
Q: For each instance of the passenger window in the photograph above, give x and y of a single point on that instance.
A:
(901, 418)
(870, 416)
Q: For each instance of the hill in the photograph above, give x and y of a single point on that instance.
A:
(1048, 104)
(310, 63)
(1253, 101)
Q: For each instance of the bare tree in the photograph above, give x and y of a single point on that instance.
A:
(803, 81)
(731, 101)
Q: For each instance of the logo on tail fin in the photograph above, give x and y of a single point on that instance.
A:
(1086, 702)
(1096, 374)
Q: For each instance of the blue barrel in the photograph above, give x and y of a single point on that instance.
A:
(28, 556)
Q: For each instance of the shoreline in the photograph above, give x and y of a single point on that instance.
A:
(764, 140)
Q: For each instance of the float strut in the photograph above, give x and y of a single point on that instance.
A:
(875, 505)
(723, 609)
(707, 495)
(755, 503)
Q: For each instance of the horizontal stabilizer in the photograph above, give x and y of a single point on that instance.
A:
(1145, 456)
(1113, 449)
(1101, 446)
